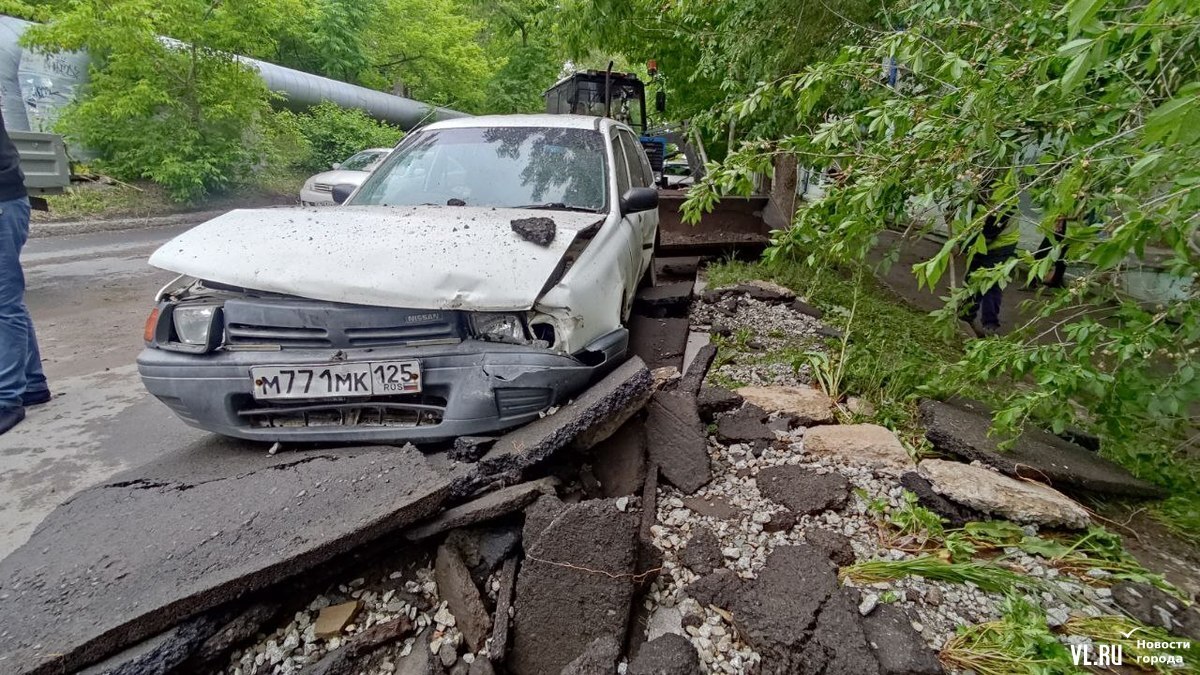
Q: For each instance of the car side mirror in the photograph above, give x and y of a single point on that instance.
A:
(342, 192)
(638, 199)
(336, 165)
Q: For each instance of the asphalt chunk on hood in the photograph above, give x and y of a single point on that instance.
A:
(538, 230)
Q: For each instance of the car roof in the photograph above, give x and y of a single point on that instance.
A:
(537, 120)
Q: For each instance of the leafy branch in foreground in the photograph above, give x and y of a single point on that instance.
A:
(1084, 118)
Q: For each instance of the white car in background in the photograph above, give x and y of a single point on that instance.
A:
(319, 188)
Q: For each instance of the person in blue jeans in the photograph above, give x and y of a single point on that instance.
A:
(22, 382)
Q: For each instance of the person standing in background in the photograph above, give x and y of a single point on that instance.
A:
(22, 382)
(1000, 238)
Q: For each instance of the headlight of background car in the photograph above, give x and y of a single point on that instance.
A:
(500, 328)
(194, 323)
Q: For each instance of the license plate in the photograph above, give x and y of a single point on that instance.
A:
(377, 378)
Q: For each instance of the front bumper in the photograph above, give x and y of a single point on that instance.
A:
(316, 198)
(471, 388)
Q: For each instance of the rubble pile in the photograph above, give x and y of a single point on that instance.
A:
(663, 525)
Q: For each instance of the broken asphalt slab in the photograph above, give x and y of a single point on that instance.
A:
(491, 505)
(961, 428)
(664, 300)
(118, 562)
(659, 342)
(576, 584)
(606, 405)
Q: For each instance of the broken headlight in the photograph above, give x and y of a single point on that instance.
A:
(507, 328)
(196, 328)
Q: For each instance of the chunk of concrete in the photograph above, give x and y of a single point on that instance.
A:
(538, 230)
(670, 654)
(1155, 607)
(606, 405)
(663, 621)
(675, 440)
(182, 537)
(836, 545)
(619, 462)
(714, 400)
(859, 444)
(576, 583)
(838, 645)
(600, 658)
(697, 370)
(483, 549)
(713, 506)
(719, 589)
(763, 291)
(991, 492)
(491, 505)
(898, 647)
(962, 428)
(469, 449)
(702, 554)
(332, 620)
(777, 611)
(807, 405)
(803, 491)
(748, 424)
(498, 647)
(956, 515)
(458, 590)
(801, 307)
(664, 300)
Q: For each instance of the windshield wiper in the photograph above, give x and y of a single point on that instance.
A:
(556, 206)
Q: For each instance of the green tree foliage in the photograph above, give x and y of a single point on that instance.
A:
(712, 53)
(529, 53)
(1091, 110)
(182, 114)
(328, 134)
(428, 50)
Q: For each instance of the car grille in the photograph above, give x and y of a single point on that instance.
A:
(322, 187)
(402, 412)
(293, 323)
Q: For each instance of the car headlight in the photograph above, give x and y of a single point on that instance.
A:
(195, 323)
(500, 328)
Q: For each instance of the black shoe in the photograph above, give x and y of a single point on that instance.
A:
(10, 417)
(35, 397)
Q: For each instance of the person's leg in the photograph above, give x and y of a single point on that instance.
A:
(15, 336)
(37, 390)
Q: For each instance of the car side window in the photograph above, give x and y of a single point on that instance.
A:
(639, 166)
(621, 166)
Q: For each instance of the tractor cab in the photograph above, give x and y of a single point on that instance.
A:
(619, 96)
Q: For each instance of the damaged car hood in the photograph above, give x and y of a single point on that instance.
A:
(422, 257)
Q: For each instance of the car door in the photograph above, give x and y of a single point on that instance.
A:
(641, 175)
(630, 225)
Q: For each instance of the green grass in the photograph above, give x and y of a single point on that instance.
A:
(892, 348)
(1018, 643)
(989, 577)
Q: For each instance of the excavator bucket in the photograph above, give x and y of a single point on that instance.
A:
(735, 227)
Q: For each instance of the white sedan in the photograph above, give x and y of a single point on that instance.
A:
(318, 189)
(481, 275)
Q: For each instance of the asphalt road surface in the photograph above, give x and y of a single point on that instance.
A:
(89, 296)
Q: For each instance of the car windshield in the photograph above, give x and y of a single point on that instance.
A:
(548, 167)
(362, 161)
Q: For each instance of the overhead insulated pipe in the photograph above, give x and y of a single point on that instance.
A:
(34, 87)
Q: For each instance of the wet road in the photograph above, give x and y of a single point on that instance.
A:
(89, 296)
